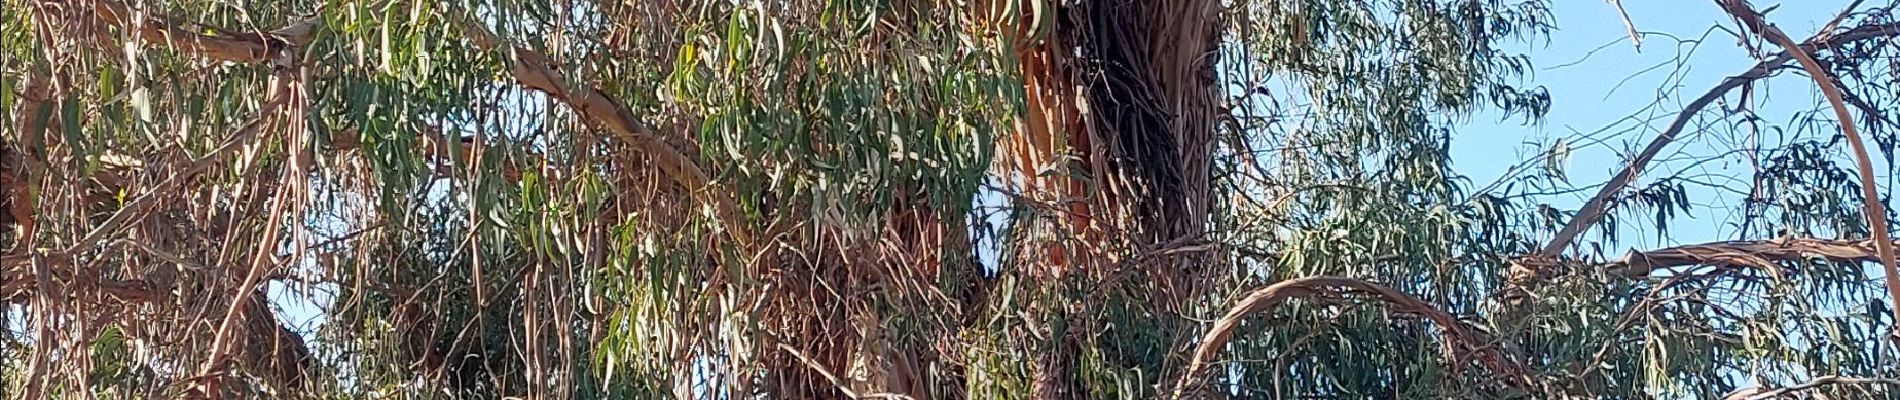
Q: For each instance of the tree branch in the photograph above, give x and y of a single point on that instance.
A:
(247, 48)
(1469, 339)
(532, 69)
(1758, 394)
(1593, 210)
(1636, 38)
(272, 349)
(17, 285)
(1762, 254)
(1876, 212)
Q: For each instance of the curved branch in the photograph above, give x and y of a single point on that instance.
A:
(1468, 338)
(1593, 210)
(1876, 212)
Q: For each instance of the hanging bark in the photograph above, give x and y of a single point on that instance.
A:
(1112, 153)
(16, 176)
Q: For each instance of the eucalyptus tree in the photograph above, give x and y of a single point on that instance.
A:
(884, 198)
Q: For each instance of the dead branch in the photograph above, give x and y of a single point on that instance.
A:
(1593, 210)
(1876, 212)
(1469, 339)
(1636, 39)
(1760, 254)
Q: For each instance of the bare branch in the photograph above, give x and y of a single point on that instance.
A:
(1636, 39)
(1876, 212)
(1761, 254)
(1593, 210)
(1760, 394)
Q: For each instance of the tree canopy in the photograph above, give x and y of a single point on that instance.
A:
(969, 199)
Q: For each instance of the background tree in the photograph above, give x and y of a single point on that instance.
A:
(900, 199)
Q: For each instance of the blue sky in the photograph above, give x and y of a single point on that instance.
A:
(1598, 80)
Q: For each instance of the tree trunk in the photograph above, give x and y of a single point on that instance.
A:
(1113, 149)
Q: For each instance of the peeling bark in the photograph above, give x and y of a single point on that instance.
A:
(1759, 254)
(1113, 151)
(16, 169)
(245, 48)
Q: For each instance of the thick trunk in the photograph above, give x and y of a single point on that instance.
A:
(1114, 151)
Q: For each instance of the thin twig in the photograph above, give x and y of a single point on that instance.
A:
(1839, 17)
